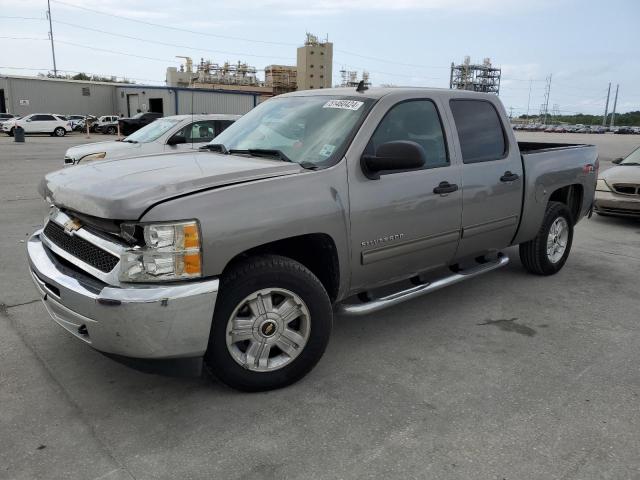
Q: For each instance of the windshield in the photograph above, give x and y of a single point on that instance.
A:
(153, 131)
(633, 158)
(307, 130)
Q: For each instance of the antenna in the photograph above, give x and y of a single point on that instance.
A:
(361, 87)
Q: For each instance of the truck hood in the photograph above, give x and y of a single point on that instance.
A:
(112, 149)
(124, 190)
(622, 174)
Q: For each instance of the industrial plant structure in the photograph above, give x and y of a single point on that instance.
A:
(313, 70)
(476, 77)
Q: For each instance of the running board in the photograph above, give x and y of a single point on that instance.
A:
(419, 290)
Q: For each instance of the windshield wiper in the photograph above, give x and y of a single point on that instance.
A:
(629, 163)
(272, 153)
(129, 141)
(264, 152)
(215, 147)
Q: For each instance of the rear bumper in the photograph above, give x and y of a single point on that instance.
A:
(140, 321)
(610, 203)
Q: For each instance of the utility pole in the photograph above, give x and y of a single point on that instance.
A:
(529, 101)
(510, 113)
(606, 107)
(615, 103)
(53, 50)
(546, 99)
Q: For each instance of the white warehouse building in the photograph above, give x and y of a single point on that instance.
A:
(24, 95)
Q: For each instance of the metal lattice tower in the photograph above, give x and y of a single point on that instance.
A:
(475, 77)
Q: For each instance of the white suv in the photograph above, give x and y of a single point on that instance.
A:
(55, 125)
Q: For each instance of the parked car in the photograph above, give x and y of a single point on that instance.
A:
(310, 202)
(139, 120)
(55, 125)
(5, 116)
(107, 124)
(624, 131)
(168, 134)
(618, 189)
(74, 120)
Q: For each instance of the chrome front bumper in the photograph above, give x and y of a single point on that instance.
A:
(139, 321)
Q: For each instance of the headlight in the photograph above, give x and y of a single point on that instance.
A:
(93, 156)
(602, 186)
(171, 251)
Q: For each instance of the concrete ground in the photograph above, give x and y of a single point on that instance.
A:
(510, 376)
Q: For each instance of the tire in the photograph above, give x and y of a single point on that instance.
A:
(268, 281)
(10, 132)
(111, 131)
(59, 132)
(547, 253)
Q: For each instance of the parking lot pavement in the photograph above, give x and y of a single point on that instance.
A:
(507, 376)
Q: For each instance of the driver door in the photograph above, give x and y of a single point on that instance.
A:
(399, 225)
(195, 135)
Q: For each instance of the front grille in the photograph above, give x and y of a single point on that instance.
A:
(80, 248)
(627, 189)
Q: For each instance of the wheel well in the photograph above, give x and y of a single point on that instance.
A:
(316, 251)
(571, 196)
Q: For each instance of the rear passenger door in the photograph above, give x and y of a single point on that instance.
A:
(491, 176)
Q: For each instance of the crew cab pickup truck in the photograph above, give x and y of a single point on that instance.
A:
(239, 255)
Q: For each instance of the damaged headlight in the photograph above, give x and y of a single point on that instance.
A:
(92, 157)
(169, 251)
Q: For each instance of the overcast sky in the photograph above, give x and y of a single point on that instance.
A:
(584, 44)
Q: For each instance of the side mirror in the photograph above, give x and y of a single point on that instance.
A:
(28, 119)
(617, 161)
(176, 140)
(393, 156)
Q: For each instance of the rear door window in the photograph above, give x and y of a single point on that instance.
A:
(480, 130)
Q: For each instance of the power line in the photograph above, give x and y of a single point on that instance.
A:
(166, 44)
(169, 27)
(186, 30)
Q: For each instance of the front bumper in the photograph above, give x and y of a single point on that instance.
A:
(140, 321)
(610, 203)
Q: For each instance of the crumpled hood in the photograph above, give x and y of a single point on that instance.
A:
(622, 174)
(112, 148)
(125, 189)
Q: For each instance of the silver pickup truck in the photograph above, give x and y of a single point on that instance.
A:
(240, 254)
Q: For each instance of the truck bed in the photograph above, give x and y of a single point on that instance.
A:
(535, 147)
(548, 167)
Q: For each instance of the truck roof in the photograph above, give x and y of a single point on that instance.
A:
(379, 92)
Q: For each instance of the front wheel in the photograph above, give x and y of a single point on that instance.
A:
(59, 132)
(271, 324)
(547, 253)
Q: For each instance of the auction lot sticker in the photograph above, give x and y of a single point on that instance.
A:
(343, 104)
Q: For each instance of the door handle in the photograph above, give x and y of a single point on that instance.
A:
(509, 177)
(445, 187)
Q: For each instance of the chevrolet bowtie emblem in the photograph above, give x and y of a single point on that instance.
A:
(71, 226)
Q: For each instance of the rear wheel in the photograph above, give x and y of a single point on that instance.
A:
(59, 132)
(111, 130)
(547, 253)
(271, 324)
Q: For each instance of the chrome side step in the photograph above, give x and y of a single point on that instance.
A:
(419, 290)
